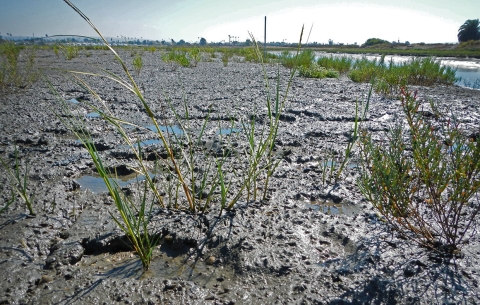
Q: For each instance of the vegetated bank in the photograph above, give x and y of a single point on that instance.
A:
(462, 50)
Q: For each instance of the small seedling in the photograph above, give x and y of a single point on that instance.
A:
(18, 180)
(138, 63)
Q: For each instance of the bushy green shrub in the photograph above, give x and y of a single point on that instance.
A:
(176, 57)
(304, 59)
(365, 70)
(341, 64)
(287, 59)
(424, 179)
(315, 71)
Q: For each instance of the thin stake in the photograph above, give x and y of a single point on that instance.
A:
(265, 39)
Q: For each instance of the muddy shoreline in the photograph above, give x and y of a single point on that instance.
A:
(310, 243)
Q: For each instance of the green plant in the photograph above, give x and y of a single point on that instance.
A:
(134, 217)
(9, 53)
(199, 179)
(87, 53)
(176, 57)
(18, 181)
(315, 71)
(138, 63)
(249, 54)
(70, 52)
(287, 59)
(152, 49)
(305, 59)
(390, 78)
(365, 70)
(266, 146)
(194, 54)
(227, 54)
(12, 71)
(423, 180)
(329, 167)
(341, 64)
(55, 50)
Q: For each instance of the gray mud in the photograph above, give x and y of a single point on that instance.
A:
(310, 243)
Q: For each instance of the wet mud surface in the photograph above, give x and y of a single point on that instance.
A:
(310, 243)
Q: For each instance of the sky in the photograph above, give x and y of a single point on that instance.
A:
(343, 21)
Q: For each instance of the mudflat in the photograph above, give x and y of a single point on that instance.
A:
(312, 242)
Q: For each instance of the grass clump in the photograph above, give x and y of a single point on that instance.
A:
(287, 59)
(315, 71)
(365, 70)
(18, 181)
(227, 55)
(303, 60)
(187, 175)
(176, 57)
(195, 55)
(390, 77)
(424, 182)
(70, 52)
(152, 49)
(341, 64)
(249, 54)
(56, 50)
(13, 71)
(137, 63)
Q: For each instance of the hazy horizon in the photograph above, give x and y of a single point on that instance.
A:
(344, 21)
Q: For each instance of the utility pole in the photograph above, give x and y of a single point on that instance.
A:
(265, 39)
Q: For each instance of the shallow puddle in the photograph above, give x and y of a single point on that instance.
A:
(95, 183)
(330, 163)
(73, 101)
(455, 148)
(93, 115)
(225, 131)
